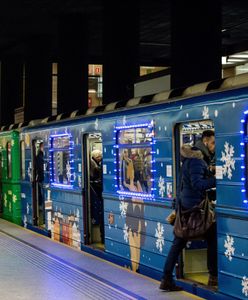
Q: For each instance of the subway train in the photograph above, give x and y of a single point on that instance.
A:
(121, 215)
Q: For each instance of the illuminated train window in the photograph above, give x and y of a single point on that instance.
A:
(60, 158)
(134, 160)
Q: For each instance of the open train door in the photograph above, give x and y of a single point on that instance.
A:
(38, 210)
(92, 190)
(192, 264)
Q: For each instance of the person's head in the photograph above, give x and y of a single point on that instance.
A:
(41, 146)
(96, 155)
(208, 140)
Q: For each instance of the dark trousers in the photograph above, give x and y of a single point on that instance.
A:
(179, 244)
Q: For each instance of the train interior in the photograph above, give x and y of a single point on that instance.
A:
(92, 191)
(37, 191)
(193, 261)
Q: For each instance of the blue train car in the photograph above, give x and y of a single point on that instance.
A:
(140, 144)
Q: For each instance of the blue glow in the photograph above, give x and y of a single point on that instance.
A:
(246, 112)
(243, 190)
(242, 131)
(242, 144)
(133, 126)
(242, 121)
(242, 167)
(60, 135)
(245, 201)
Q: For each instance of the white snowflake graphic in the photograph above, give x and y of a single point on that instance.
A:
(227, 158)
(123, 208)
(216, 113)
(124, 120)
(96, 124)
(68, 171)
(27, 209)
(30, 171)
(25, 221)
(79, 181)
(160, 237)
(229, 242)
(205, 112)
(14, 197)
(244, 284)
(12, 143)
(161, 185)
(125, 233)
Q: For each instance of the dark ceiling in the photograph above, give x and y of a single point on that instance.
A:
(22, 21)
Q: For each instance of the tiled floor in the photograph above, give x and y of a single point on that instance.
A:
(35, 267)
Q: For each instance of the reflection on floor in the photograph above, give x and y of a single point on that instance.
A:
(99, 246)
(197, 277)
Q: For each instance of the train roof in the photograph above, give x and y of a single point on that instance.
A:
(173, 95)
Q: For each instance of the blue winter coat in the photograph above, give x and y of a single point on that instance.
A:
(196, 178)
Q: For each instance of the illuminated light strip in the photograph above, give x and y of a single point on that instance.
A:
(60, 135)
(133, 126)
(133, 194)
(243, 131)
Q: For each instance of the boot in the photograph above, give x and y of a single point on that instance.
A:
(168, 285)
(212, 280)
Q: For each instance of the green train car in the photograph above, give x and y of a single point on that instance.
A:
(10, 193)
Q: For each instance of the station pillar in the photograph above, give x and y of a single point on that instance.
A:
(73, 63)
(38, 80)
(120, 49)
(196, 42)
(11, 89)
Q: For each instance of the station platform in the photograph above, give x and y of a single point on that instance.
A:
(35, 267)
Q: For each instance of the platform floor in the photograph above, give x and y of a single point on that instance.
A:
(35, 267)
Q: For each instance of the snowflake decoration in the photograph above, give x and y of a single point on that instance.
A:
(161, 185)
(125, 233)
(123, 208)
(229, 242)
(14, 197)
(30, 171)
(244, 283)
(25, 221)
(124, 120)
(227, 158)
(5, 200)
(205, 112)
(160, 237)
(12, 143)
(68, 171)
(216, 113)
(27, 209)
(96, 124)
(79, 181)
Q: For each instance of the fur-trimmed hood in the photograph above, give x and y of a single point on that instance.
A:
(188, 151)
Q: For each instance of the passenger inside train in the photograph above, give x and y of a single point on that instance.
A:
(39, 180)
(96, 191)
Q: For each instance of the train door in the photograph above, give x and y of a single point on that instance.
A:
(92, 190)
(37, 189)
(193, 261)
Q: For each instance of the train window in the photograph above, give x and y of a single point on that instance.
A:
(22, 148)
(135, 160)
(60, 160)
(9, 162)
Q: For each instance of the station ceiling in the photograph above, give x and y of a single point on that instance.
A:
(22, 21)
